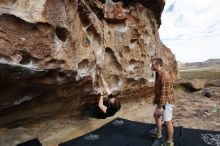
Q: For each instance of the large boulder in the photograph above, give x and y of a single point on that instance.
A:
(212, 83)
(194, 85)
(53, 51)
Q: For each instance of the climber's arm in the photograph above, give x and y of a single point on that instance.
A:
(105, 85)
(101, 105)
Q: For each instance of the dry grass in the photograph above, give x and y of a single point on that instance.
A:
(209, 74)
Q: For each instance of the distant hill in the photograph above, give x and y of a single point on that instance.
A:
(208, 63)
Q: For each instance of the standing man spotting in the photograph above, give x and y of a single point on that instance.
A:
(164, 100)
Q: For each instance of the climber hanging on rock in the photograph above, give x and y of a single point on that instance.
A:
(111, 105)
(108, 105)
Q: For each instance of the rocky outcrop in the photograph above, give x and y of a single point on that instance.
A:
(212, 83)
(194, 85)
(53, 51)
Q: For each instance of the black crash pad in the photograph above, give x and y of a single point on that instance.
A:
(33, 142)
(121, 132)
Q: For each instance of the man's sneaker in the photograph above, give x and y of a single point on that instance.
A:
(156, 136)
(168, 144)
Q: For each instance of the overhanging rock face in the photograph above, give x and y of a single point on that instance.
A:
(53, 51)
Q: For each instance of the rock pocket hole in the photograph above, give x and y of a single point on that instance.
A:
(103, 1)
(85, 42)
(61, 33)
(83, 16)
(27, 59)
(96, 38)
(111, 62)
(83, 64)
(61, 75)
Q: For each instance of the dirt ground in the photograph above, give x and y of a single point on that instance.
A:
(192, 110)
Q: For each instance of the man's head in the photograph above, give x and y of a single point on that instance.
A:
(114, 103)
(157, 63)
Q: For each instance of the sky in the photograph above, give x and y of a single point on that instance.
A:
(191, 29)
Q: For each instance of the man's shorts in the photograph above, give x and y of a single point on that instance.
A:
(168, 112)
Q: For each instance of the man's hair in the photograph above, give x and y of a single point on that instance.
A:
(116, 105)
(110, 96)
(158, 61)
